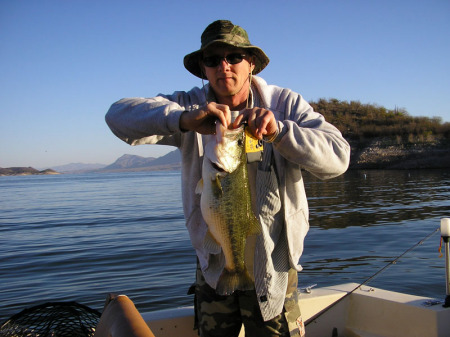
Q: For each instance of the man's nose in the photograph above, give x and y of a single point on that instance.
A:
(224, 64)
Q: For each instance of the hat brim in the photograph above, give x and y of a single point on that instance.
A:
(193, 65)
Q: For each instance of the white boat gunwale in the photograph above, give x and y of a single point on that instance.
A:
(367, 311)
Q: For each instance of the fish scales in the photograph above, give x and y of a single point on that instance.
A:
(226, 206)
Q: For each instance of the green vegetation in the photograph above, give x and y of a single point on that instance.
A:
(359, 121)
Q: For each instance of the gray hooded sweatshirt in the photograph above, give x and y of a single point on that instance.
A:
(306, 141)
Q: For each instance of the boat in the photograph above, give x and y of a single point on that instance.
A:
(344, 310)
(355, 311)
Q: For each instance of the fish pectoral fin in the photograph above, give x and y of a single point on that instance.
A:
(217, 186)
(199, 187)
(211, 244)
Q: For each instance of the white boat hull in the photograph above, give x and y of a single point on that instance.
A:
(367, 312)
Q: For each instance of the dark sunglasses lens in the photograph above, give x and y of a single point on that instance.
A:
(234, 58)
(213, 61)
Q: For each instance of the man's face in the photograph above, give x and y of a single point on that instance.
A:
(228, 79)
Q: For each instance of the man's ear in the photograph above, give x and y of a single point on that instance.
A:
(202, 68)
(252, 63)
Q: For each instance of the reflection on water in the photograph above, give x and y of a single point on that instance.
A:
(378, 197)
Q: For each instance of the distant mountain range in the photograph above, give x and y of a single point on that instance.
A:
(77, 167)
(127, 162)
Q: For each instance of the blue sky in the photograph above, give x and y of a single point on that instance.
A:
(63, 63)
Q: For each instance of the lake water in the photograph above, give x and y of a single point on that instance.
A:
(79, 237)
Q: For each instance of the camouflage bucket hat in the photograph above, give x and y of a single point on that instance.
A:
(226, 33)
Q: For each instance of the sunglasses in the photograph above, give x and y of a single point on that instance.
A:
(214, 60)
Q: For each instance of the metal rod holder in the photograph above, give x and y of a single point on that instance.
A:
(445, 234)
(447, 273)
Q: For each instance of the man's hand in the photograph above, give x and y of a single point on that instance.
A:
(203, 120)
(261, 122)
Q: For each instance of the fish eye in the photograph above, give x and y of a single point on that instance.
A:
(240, 142)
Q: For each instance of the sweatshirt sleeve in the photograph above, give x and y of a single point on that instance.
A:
(139, 121)
(308, 140)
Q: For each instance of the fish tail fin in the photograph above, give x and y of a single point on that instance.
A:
(230, 281)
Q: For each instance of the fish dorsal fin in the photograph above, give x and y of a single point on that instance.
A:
(211, 244)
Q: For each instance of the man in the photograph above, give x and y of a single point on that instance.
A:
(294, 138)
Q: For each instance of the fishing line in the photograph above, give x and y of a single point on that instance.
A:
(320, 313)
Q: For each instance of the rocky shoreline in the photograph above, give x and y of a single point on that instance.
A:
(390, 153)
(24, 171)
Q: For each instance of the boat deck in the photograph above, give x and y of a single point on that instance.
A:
(367, 312)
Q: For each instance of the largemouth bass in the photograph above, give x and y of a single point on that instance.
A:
(226, 205)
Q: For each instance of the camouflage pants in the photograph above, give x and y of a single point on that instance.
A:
(223, 316)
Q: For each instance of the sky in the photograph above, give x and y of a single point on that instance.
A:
(64, 62)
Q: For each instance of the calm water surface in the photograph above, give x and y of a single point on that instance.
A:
(78, 237)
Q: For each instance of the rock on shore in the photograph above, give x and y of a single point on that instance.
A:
(392, 153)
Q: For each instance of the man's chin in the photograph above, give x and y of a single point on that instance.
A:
(227, 91)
